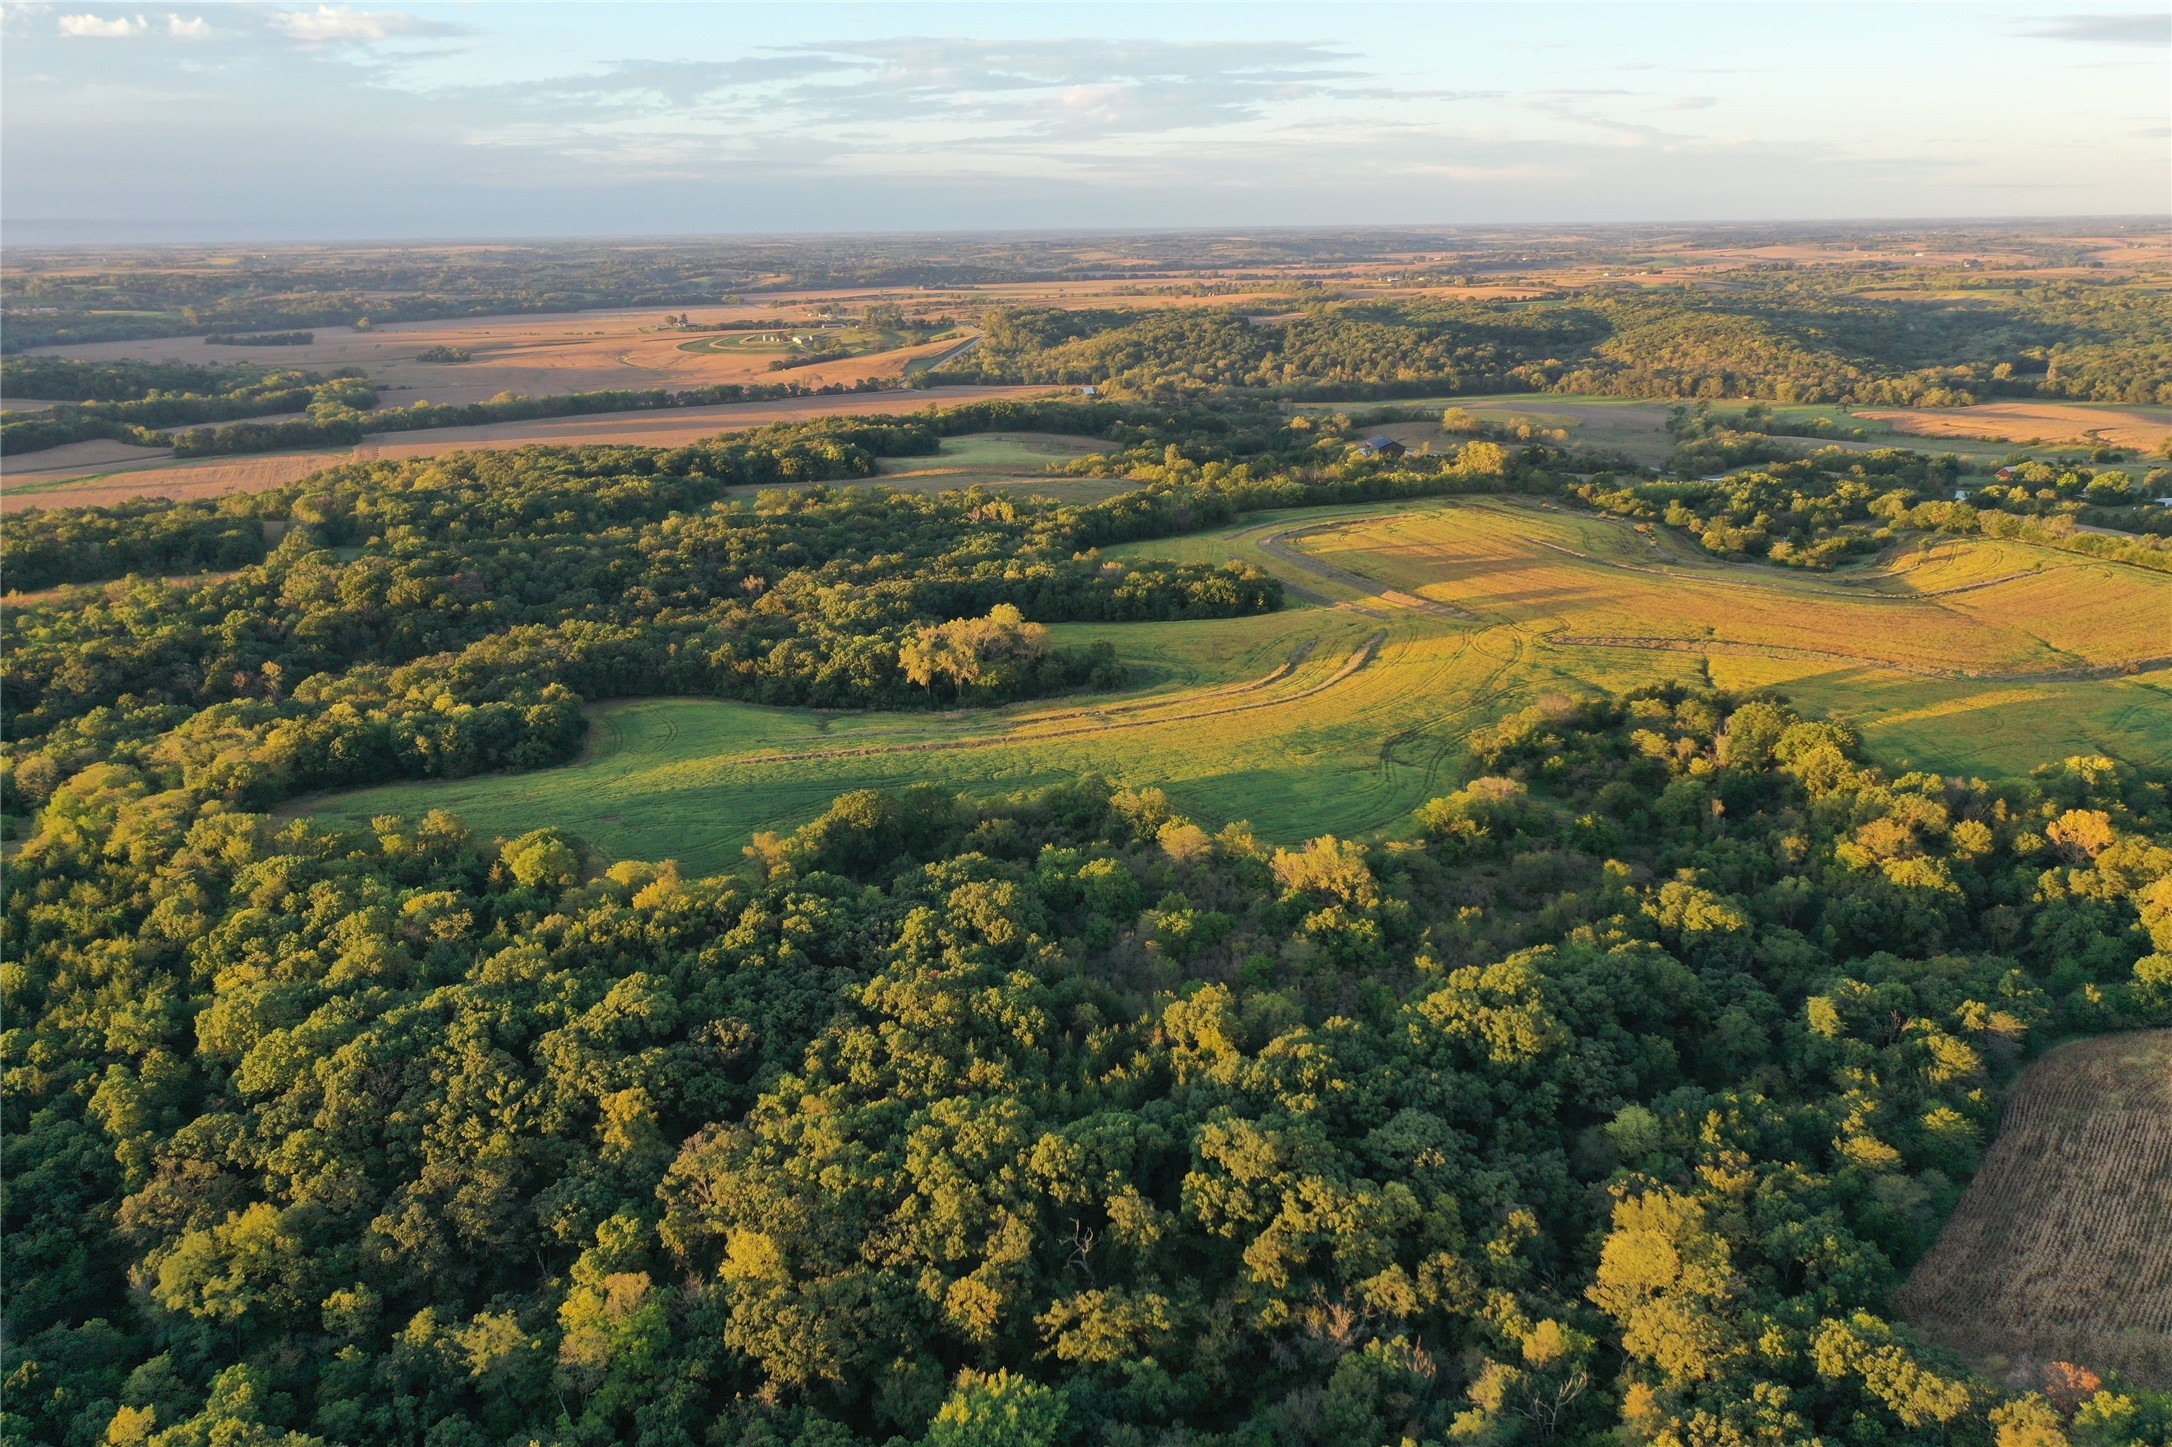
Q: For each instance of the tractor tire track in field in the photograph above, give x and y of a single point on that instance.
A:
(1357, 660)
(1277, 545)
(1280, 671)
(1487, 690)
(1824, 655)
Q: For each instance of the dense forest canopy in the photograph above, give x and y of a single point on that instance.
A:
(1780, 341)
(1607, 1101)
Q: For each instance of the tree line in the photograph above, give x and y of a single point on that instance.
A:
(1822, 510)
(128, 401)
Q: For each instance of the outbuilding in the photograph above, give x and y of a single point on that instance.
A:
(1382, 446)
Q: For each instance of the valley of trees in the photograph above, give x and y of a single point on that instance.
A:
(1782, 341)
(1608, 1103)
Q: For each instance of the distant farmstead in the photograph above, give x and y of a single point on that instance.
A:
(1382, 446)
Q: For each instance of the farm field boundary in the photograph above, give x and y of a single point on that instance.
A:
(2061, 1248)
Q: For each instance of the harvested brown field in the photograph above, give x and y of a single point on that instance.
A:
(199, 477)
(543, 353)
(90, 483)
(2076, 423)
(2061, 1248)
(74, 459)
(530, 355)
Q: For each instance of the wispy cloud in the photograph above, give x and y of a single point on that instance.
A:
(337, 22)
(1004, 92)
(2132, 28)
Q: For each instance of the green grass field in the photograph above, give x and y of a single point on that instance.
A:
(1638, 426)
(731, 343)
(1345, 714)
(1011, 461)
(850, 341)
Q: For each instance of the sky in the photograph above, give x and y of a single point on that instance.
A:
(278, 122)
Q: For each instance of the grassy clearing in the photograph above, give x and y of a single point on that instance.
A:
(694, 779)
(1631, 425)
(820, 341)
(1013, 461)
(775, 343)
(1980, 436)
(1346, 713)
(2061, 1248)
(997, 451)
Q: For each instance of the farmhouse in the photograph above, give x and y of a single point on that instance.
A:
(1382, 446)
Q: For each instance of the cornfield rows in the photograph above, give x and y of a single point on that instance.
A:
(2061, 1248)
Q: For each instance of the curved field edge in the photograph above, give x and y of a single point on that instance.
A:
(2061, 1247)
(1341, 718)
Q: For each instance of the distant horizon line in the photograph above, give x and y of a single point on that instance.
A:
(9, 242)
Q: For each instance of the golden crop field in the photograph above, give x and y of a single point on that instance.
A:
(1593, 582)
(1415, 623)
(2061, 1248)
(534, 354)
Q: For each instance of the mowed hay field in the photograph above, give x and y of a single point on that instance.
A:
(1629, 425)
(1586, 581)
(2061, 1248)
(1418, 622)
(2072, 423)
(195, 477)
(1007, 461)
